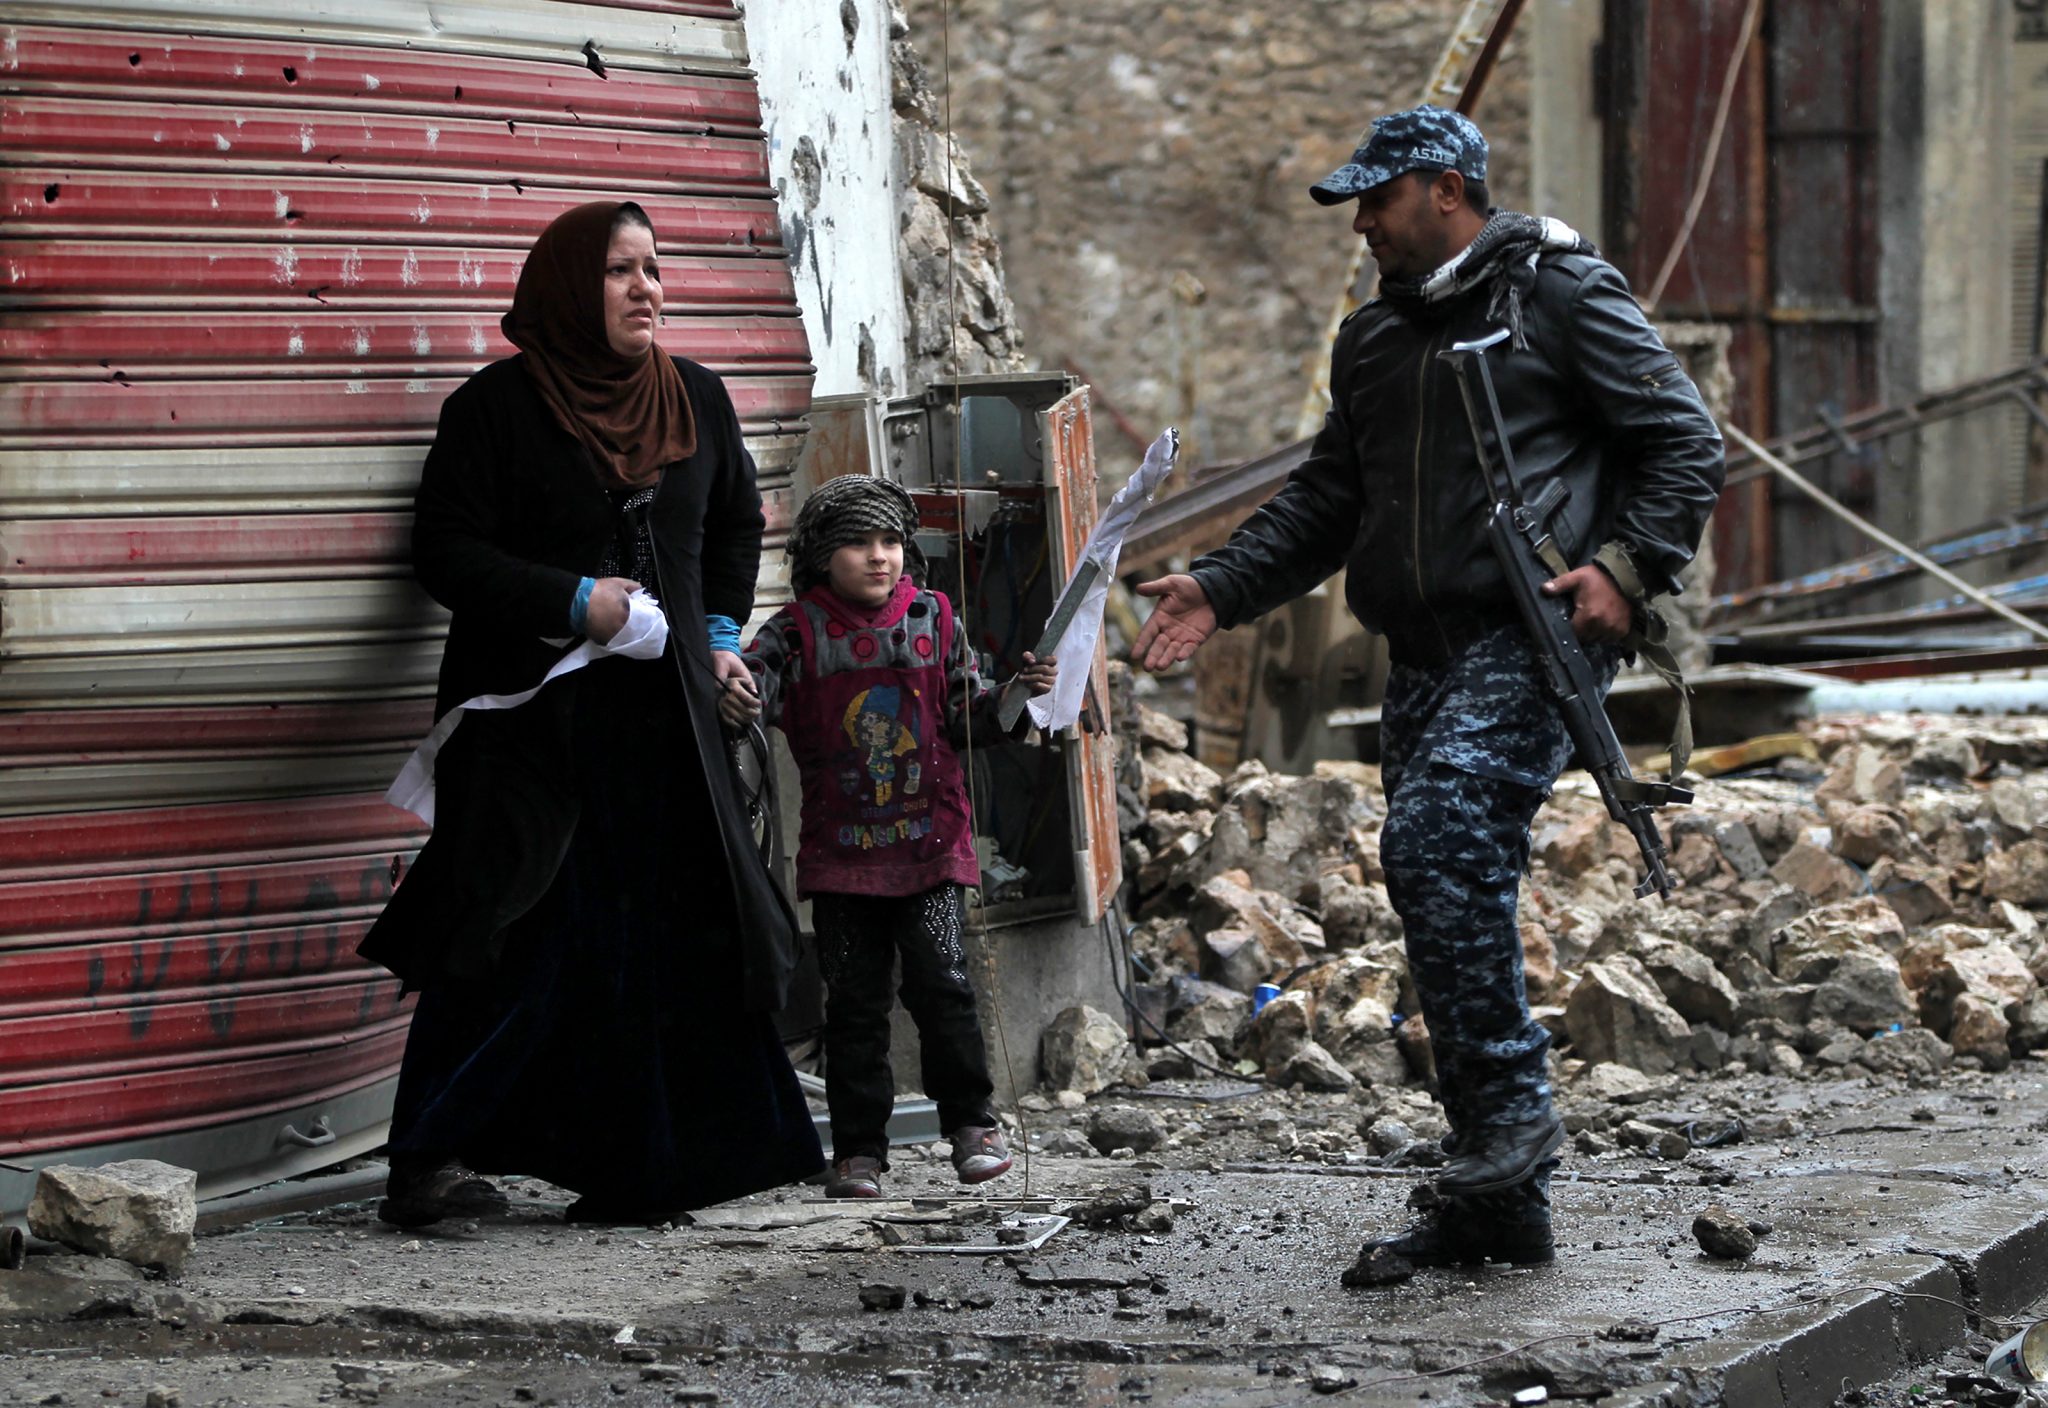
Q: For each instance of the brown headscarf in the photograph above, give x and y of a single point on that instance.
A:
(632, 413)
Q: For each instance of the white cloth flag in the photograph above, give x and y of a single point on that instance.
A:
(641, 638)
(1061, 707)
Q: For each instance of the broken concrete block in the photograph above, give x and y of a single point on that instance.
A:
(1740, 850)
(2029, 1021)
(1184, 1060)
(1864, 993)
(1696, 858)
(1617, 1013)
(1724, 1236)
(1083, 1050)
(1376, 1266)
(2018, 873)
(1313, 1068)
(1113, 1127)
(1205, 1011)
(1178, 783)
(1861, 773)
(1585, 842)
(1281, 1028)
(1353, 914)
(882, 1295)
(1945, 963)
(1866, 835)
(1157, 730)
(1696, 989)
(1411, 1039)
(1819, 873)
(1978, 1028)
(1918, 891)
(1279, 830)
(1914, 1052)
(1384, 1065)
(1942, 757)
(1807, 949)
(137, 1210)
(1607, 1083)
(1236, 959)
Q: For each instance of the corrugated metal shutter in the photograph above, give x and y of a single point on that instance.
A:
(246, 248)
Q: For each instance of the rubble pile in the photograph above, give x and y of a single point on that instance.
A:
(1878, 912)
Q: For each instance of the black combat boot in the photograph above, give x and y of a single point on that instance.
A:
(1501, 1156)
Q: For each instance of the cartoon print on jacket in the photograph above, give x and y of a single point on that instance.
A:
(874, 723)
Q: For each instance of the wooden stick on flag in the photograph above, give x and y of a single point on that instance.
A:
(1076, 622)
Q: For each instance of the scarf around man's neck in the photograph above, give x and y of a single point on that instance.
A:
(1503, 257)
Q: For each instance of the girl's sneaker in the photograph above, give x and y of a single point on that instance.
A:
(855, 1177)
(979, 1153)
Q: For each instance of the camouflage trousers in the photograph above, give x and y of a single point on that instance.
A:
(1468, 752)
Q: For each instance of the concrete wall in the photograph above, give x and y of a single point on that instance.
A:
(1946, 243)
(826, 98)
(1565, 178)
(1040, 970)
(1148, 170)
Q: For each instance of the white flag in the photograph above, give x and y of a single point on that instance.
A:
(1061, 708)
(641, 638)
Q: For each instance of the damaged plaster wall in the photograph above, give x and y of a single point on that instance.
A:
(1149, 171)
(873, 212)
(826, 101)
(966, 324)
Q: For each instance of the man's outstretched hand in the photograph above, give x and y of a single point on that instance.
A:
(1178, 625)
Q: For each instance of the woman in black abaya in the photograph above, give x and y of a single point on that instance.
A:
(597, 942)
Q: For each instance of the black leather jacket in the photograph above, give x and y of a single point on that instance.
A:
(1392, 489)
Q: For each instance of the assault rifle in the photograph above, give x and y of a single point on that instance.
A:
(1525, 542)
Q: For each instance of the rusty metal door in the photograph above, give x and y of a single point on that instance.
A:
(1091, 755)
(1785, 248)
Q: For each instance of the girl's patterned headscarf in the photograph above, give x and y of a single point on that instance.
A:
(845, 510)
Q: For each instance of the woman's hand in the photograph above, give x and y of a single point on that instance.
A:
(739, 704)
(606, 615)
(1039, 675)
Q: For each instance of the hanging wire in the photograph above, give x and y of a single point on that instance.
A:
(961, 604)
(1709, 158)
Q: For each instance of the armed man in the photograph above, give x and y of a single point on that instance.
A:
(1602, 429)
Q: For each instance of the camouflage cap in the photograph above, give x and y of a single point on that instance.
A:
(1420, 139)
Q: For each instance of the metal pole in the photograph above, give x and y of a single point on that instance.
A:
(1863, 525)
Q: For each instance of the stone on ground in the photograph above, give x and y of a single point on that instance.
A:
(137, 1210)
(1083, 1050)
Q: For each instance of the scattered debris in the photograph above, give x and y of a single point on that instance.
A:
(1867, 902)
(881, 1295)
(1724, 1236)
(1110, 1207)
(1377, 1266)
(1329, 1378)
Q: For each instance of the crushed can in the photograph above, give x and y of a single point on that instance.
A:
(2023, 1359)
(1263, 994)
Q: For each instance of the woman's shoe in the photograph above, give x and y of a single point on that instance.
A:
(418, 1195)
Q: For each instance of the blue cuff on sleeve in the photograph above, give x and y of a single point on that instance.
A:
(724, 632)
(579, 606)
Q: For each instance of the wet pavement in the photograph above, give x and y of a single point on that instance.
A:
(1931, 1195)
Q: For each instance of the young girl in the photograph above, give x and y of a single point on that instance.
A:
(873, 685)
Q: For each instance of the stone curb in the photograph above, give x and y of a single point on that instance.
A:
(1806, 1356)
